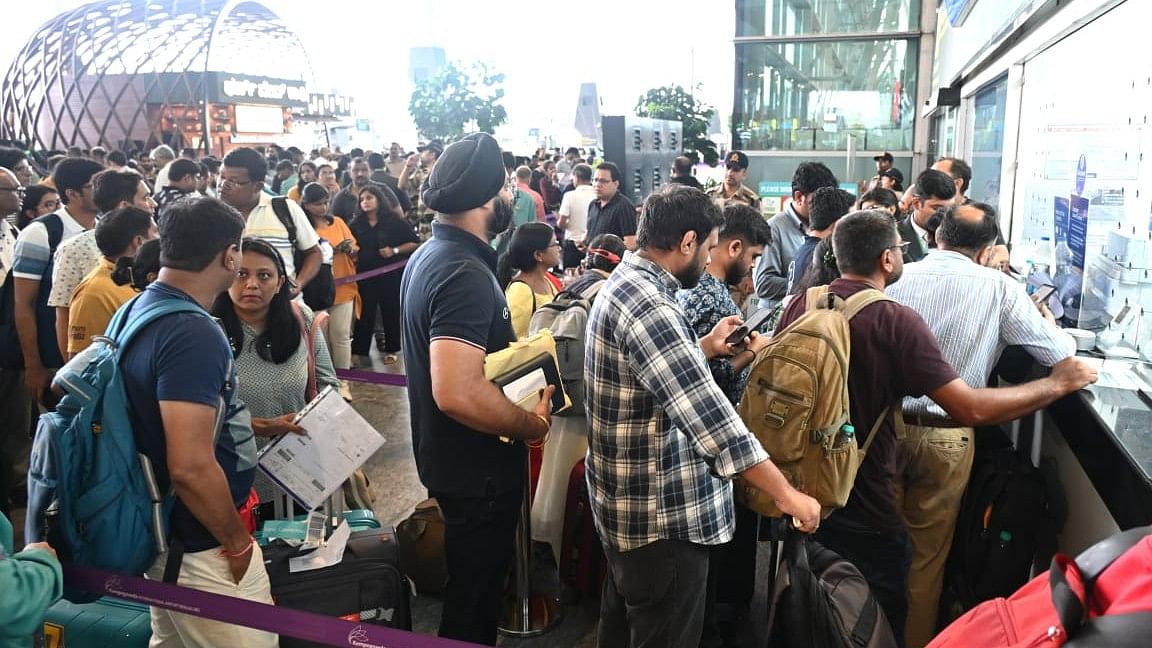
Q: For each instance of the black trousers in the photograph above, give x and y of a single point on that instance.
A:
(654, 596)
(378, 295)
(479, 542)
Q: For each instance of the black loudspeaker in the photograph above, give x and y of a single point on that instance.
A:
(644, 149)
(948, 96)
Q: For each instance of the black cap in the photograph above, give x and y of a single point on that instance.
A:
(884, 156)
(893, 173)
(467, 175)
(736, 159)
(436, 146)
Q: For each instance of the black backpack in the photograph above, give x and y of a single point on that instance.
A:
(11, 355)
(320, 293)
(822, 600)
(1008, 520)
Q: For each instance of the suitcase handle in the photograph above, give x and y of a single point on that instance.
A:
(1071, 605)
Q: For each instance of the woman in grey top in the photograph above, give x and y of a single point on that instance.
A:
(260, 320)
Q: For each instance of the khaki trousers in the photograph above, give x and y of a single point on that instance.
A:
(932, 472)
(208, 571)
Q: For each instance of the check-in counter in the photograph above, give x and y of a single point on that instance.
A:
(1101, 439)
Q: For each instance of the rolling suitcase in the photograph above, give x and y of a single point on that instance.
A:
(102, 623)
(366, 587)
(582, 563)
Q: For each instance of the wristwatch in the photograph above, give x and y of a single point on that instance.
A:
(395, 251)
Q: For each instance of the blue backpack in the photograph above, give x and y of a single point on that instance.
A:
(91, 495)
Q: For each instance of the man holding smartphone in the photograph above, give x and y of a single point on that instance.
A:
(935, 457)
(743, 235)
(664, 440)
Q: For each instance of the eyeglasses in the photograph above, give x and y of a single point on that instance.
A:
(902, 246)
(229, 183)
(19, 189)
(602, 180)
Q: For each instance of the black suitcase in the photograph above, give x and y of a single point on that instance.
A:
(366, 587)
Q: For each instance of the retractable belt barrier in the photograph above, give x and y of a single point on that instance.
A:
(375, 272)
(250, 614)
(358, 375)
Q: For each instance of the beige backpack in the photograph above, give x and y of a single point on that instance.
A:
(796, 403)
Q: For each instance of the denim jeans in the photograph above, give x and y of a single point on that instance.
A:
(654, 596)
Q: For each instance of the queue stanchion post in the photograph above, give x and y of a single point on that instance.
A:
(527, 613)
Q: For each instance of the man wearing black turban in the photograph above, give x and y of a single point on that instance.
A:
(454, 313)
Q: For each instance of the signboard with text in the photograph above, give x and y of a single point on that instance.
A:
(245, 89)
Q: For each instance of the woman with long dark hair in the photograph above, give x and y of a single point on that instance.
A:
(305, 174)
(346, 306)
(384, 237)
(523, 272)
(268, 333)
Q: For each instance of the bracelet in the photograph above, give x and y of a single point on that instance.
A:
(544, 439)
(226, 554)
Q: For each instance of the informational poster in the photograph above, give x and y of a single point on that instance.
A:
(1078, 230)
(1060, 218)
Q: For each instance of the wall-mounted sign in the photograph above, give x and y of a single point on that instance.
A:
(329, 105)
(240, 88)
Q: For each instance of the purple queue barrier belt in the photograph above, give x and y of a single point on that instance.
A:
(372, 273)
(358, 375)
(250, 614)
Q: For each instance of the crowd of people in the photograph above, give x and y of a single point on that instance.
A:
(488, 239)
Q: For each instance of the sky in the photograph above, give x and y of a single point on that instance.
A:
(545, 49)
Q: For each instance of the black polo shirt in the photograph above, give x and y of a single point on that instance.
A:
(617, 217)
(449, 291)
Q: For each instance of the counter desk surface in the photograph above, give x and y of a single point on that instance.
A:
(1109, 427)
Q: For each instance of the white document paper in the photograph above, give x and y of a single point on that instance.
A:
(311, 468)
(329, 553)
(525, 390)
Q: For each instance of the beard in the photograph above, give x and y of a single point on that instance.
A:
(735, 273)
(689, 277)
(500, 218)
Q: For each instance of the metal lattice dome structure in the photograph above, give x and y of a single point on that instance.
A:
(132, 73)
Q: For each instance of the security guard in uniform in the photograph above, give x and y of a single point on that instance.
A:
(733, 187)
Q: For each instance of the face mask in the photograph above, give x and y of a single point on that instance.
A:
(500, 218)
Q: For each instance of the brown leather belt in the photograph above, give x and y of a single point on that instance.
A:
(931, 421)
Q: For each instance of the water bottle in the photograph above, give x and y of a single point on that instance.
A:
(847, 433)
(1040, 265)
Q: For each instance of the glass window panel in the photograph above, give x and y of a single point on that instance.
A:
(799, 17)
(810, 95)
(988, 142)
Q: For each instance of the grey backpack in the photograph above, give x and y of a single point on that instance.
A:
(567, 318)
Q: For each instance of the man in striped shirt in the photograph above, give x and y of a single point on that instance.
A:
(935, 458)
(241, 186)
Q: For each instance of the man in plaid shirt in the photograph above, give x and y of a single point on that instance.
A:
(664, 441)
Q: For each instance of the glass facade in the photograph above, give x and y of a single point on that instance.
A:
(811, 94)
(804, 17)
(988, 142)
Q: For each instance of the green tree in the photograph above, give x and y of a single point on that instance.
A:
(676, 103)
(458, 99)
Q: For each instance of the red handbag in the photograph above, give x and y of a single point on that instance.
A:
(1102, 598)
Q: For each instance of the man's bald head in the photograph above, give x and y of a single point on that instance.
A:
(11, 193)
(968, 229)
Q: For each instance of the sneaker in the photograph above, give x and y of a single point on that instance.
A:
(380, 342)
(345, 391)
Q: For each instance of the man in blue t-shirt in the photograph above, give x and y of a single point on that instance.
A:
(181, 384)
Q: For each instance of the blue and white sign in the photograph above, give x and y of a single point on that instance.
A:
(1081, 175)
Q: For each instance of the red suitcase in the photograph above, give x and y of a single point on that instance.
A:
(1102, 598)
(582, 564)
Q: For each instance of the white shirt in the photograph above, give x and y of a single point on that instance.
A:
(575, 205)
(994, 313)
(263, 224)
(75, 258)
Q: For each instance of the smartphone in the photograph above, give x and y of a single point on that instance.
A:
(1043, 293)
(754, 323)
